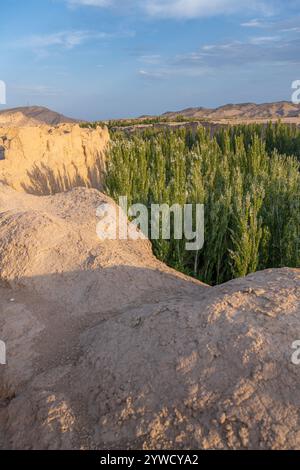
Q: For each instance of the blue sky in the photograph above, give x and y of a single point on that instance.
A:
(100, 59)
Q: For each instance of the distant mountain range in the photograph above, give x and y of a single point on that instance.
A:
(32, 116)
(246, 111)
(230, 113)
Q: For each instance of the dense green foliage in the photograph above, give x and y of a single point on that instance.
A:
(250, 191)
(142, 121)
(281, 137)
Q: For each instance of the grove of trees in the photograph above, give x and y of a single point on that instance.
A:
(246, 176)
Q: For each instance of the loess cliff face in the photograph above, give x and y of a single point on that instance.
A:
(46, 160)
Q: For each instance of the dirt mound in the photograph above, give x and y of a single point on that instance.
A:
(32, 116)
(56, 236)
(109, 348)
(46, 160)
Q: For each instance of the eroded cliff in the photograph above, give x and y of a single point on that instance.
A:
(45, 160)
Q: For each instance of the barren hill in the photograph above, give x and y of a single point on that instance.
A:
(243, 112)
(107, 348)
(32, 116)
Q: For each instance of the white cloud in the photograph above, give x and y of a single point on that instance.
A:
(171, 70)
(266, 49)
(152, 75)
(255, 23)
(199, 8)
(186, 9)
(66, 39)
(91, 3)
(37, 90)
(290, 25)
(151, 59)
(291, 30)
(264, 39)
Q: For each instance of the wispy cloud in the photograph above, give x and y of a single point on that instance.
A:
(255, 23)
(174, 69)
(213, 57)
(287, 25)
(188, 9)
(91, 3)
(203, 8)
(66, 39)
(291, 30)
(264, 39)
(151, 59)
(152, 75)
(266, 50)
(36, 90)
